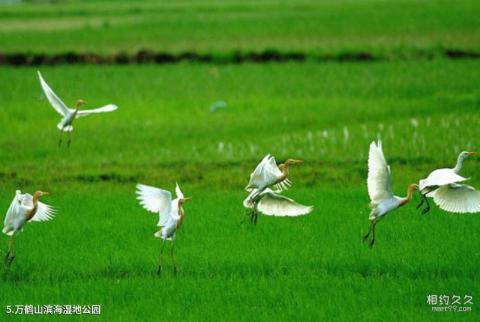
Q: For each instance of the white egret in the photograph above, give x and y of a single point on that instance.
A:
(443, 186)
(24, 208)
(266, 175)
(170, 211)
(379, 184)
(272, 203)
(69, 114)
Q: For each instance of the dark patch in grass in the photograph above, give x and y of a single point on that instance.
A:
(236, 57)
(105, 177)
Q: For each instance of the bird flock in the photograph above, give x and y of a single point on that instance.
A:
(265, 189)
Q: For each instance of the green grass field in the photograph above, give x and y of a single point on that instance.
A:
(100, 248)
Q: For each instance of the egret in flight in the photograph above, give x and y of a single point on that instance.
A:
(268, 175)
(380, 191)
(272, 203)
(24, 208)
(170, 211)
(443, 185)
(69, 114)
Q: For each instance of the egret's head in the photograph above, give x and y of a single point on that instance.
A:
(293, 162)
(183, 200)
(413, 187)
(79, 103)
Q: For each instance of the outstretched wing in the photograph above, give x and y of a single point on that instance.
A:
(265, 174)
(103, 109)
(13, 208)
(457, 198)
(274, 204)
(440, 177)
(54, 100)
(155, 200)
(44, 211)
(379, 177)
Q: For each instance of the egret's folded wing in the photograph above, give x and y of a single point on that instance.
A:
(103, 109)
(273, 204)
(256, 178)
(178, 192)
(44, 212)
(54, 100)
(457, 198)
(379, 178)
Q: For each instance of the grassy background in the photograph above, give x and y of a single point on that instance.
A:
(396, 27)
(100, 247)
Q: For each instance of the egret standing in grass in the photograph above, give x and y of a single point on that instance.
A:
(443, 186)
(69, 114)
(267, 175)
(24, 208)
(170, 211)
(380, 191)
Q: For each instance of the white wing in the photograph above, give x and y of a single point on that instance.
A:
(265, 174)
(103, 109)
(274, 204)
(155, 200)
(379, 177)
(458, 198)
(54, 100)
(440, 177)
(178, 192)
(44, 211)
(12, 210)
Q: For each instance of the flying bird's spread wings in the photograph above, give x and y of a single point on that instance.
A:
(274, 204)
(439, 178)
(54, 100)
(458, 198)
(379, 178)
(266, 174)
(13, 208)
(44, 211)
(103, 109)
(155, 200)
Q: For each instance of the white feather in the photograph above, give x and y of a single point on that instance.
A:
(379, 177)
(457, 198)
(274, 204)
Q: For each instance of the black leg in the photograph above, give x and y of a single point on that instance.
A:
(159, 269)
(364, 239)
(427, 209)
(373, 235)
(421, 201)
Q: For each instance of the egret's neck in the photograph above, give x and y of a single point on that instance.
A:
(459, 164)
(409, 196)
(181, 214)
(33, 211)
(284, 168)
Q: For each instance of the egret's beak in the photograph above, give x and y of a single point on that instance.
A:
(45, 193)
(187, 198)
(297, 161)
(472, 153)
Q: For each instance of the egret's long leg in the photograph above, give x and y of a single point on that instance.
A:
(422, 201)
(173, 258)
(69, 139)
(368, 233)
(373, 234)
(427, 209)
(60, 139)
(11, 252)
(159, 269)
